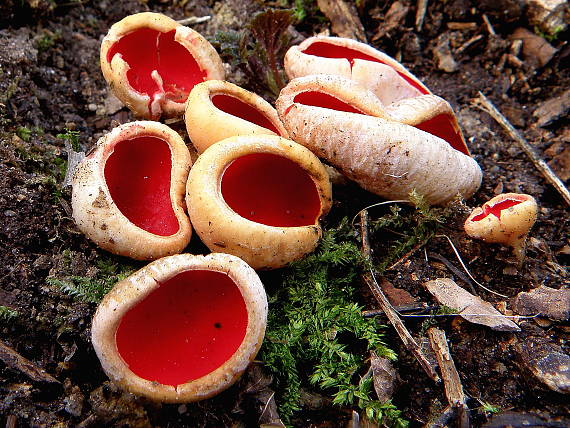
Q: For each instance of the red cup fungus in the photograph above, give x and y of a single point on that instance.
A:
(259, 197)
(183, 328)
(389, 80)
(505, 219)
(387, 150)
(217, 109)
(152, 63)
(128, 193)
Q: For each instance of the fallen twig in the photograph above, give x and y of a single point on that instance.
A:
(194, 20)
(451, 381)
(391, 314)
(15, 361)
(453, 269)
(421, 13)
(489, 26)
(542, 166)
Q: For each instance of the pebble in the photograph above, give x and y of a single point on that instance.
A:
(10, 213)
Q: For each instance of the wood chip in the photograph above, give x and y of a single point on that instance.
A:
(470, 307)
(548, 15)
(552, 109)
(393, 19)
(15, 361)
(462, 25)
(344, 18)
(421, 10)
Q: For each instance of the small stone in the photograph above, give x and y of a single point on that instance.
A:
(92, 107)
(10, 213)
(182, 409)
(546, 301)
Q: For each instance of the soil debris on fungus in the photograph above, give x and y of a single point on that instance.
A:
(314, 367)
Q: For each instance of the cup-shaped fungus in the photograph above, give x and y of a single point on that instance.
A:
(217, 109)
(152, 63)
(505, 219)
(259, 197)
(375, 70)
(389, 150)
(183, 328)
(128, 193)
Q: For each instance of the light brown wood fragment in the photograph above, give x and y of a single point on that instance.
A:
(462, 25)
(421, 9)
(393, 19)
(344, 19)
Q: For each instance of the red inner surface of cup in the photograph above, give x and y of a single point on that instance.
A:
(146, 50)
(496, 209)
(320, 99)
(328, 50)
(186, 328)
(272, 190)
(237, 107)
(442, 126)
(137, 174)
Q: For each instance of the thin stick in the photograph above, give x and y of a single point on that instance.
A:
(15, 361)
(391, 314)
(194, 20)
(453, 269)
(451, 381)
(490, 28)
(421, 13)
(542, 166)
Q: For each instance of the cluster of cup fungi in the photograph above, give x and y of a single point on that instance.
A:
(186, 326)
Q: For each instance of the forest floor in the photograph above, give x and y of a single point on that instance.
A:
(50, 82)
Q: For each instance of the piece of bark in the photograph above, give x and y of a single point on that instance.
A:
(548, 15)
(560, 162)
(344, 19)
(451, 381)
(15, 361)
(384, 377)
(536, 51)
(547, 362)
(552, 109)
(468, 306)
(396, 296)
(545, 301)
(393, 19)
(421, 9)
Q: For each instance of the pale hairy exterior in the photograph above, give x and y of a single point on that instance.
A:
(381, 78)
(115, 72)
(513, 225)
(97, 215)
(223, 230)
(206, 124)
(129, 292)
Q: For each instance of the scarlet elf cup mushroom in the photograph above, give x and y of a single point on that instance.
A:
(152, 63)
(388, 150)
(505, 219)
(218, 109)
(128, 193)
(260, 198)
(389, 80)
(182, 328)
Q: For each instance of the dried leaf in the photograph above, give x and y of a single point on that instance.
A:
(546, 301)
(470, 307)
(384, 377)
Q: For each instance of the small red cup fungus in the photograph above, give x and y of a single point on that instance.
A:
(375, 70)
(152, 63)
(388, 150)
(128, 193)
(217, 109)
(259, 198)
(505, 219)
(183, 328)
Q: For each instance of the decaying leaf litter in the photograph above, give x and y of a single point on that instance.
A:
(48, 87)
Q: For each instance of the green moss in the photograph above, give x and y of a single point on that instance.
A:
(7, 314)
(316, 330)
(93, 289)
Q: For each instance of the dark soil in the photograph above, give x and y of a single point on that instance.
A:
(50, 81)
